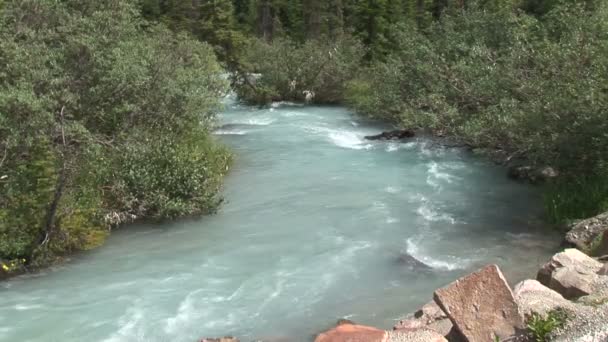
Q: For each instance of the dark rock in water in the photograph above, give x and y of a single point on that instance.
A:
(531, 174)
(343, 321)
(407, 260)
(393, 135)
(230, 126)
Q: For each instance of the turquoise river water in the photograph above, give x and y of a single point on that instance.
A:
(314, 222)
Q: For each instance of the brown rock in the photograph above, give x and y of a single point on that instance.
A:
(415, 335)
(353, 333)
(571, 273)
(481, 306)
(583, 233)
(430, 316)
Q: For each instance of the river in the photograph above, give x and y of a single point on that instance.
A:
(314, 222)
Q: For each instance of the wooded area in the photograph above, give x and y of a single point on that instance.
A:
(106, 106)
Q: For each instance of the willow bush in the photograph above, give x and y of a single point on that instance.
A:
(104, 118)
(504, 79)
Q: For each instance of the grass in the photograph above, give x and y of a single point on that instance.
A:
(575, 198)
(540, 327)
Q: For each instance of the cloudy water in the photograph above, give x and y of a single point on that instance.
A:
(312, 229)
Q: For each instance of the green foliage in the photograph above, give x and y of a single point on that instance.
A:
(577, 197)
(90, 100)
(289, 70)
(503, 79)
(167, 178)
(540, 327)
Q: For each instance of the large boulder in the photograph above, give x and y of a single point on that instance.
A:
(532, 297)
(353, 333)
(415, 335)
(583, 233)
(481, 306)
(430, 316)
(571, 273)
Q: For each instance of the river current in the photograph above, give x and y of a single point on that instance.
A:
(312, 229)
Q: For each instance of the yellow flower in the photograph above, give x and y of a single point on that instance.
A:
(4, 267)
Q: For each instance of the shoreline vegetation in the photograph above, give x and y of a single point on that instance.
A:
(106, 108)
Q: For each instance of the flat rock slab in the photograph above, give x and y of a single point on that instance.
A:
(353, 333)
(481, 306)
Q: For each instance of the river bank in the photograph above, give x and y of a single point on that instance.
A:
(313, 226)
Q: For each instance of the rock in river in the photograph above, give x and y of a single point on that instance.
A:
(409, 261)
(393, 135)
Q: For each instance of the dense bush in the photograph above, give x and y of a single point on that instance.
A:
(103, 119)
(536, 87)
(288, 70)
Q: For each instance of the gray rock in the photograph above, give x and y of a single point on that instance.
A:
(587, 324)
(481, 306)
(415, 335)
(583, 233)
(430, 316)
(532, 297)
(571, 273)
(603, 270)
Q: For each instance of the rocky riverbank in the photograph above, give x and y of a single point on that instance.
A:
(567, 301)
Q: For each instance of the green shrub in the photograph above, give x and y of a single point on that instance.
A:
(100, 115)
(540, 327)
(506, 80)
(288, 70)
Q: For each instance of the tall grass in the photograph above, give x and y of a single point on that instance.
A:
(576, 198)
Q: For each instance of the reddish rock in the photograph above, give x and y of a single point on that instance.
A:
(481, 306)
(353, 333)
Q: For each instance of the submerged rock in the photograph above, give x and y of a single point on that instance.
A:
(393, 135)
(571, 273)
(411, 262)
(584, 233)
(481, 306)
